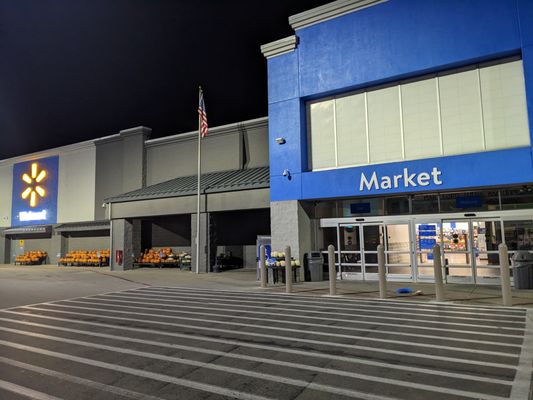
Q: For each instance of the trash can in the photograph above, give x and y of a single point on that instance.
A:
(315, 264)
(523, 270)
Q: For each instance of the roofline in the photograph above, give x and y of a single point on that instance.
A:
(213, 131)
(279, 47)
(329, 11)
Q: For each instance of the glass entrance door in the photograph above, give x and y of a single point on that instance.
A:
(349, 253)
(471, 250)
(398, 250)
(371, 238)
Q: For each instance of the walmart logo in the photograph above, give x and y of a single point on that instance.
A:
(34, 189)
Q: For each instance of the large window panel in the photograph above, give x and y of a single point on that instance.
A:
(420, 114)
(351, 130)
(322, 134)
(460, 102)
(504, 106)
(384, 128)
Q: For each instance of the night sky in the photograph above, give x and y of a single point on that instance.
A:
(72, 70)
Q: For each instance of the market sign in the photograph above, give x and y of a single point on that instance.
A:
(34, 197)
(405, 179)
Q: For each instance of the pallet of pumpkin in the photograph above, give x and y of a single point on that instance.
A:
(31, 258)
(164, 257)
(86, 258)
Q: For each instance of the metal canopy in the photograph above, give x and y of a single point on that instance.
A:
(27, 230)
(83, 226)
(215, 182)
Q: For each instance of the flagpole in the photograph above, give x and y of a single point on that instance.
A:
(199, 174)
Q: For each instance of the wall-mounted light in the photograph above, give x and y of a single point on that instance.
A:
(287, 174)
(280, 140)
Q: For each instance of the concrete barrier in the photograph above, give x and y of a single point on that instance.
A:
(505, 277)
(382, 272)
(288, 269)
(332, 271)
(262, 266)
(437, 272)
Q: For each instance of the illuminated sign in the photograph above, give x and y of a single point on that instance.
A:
(34, 188)
(34, 199)
(405, 179)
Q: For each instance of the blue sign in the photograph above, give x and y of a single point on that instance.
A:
(360, 208)
(34, 196)
(468, 202)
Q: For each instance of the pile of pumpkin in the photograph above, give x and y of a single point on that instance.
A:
(31, 258)
(86, 257)
(163, 255)
(277, 259)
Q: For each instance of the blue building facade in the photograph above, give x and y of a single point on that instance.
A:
(387, 61)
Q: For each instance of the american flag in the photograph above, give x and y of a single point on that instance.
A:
(203, 115)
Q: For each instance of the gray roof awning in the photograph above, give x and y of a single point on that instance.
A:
(215, 182)
(25, 230)
(83, 226)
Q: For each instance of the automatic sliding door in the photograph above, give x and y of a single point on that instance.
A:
(457, 248)
(350, 252)
(398, 251)
(427, 235)
(372, 236)
(487, 235)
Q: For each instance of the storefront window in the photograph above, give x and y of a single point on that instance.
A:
(519, 235)
(425, 204)
(397, 206)
(469, 201)
(517, 198)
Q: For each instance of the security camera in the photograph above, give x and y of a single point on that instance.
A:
(286, 172)
(104, 205)
(280, 140)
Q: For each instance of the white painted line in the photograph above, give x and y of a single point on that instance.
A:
(137, 372)
(273, 348)
(523, 381)
(80, 381)
(329, 371)
(306, 316)
(409, 341)
(298, 340)
(198, 364)
(353, 315)
(26, 392)
(320, 305)
(339, 298)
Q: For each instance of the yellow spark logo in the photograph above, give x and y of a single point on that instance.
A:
(33, 180)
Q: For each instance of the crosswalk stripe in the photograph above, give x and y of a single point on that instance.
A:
(520, 325)
(26, 392)
(252, 374)
(193, 384)
(312, 300)
(81, 381)
(299, 340)
(347, 300)
(418, 327)
(266, 320)
(352, 360)
(179, 308)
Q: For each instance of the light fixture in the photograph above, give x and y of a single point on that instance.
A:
(280, 140)
(287, 173)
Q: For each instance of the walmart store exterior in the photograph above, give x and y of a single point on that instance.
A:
(404, 122)
(401, 122)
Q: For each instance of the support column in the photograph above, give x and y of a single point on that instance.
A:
(5, 249)
(204, 241)
(127, 239)
(58, 247)
(290, 225)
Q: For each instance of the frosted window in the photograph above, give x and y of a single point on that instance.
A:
(322, 135)
(504, 106)
(351, 130)
(384, 125)
(420, 119)
(461, 113)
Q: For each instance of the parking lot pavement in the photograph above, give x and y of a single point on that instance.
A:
(191, 343)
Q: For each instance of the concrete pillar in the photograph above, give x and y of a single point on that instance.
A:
(127, 239)
(5, 247)
(290, 225)
(204, 243)
(58, 246)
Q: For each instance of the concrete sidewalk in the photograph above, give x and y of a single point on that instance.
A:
(50, 282)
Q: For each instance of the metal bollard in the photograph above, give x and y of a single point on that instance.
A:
(332, 271)
(437, 270)
(288, 269)
(382, 272)
(262, 266)
(505, 278)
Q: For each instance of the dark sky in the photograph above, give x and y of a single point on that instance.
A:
(72, 70)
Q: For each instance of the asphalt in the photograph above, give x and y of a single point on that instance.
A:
(88, 333)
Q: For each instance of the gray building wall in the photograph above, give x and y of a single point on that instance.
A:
(120, 165)
(228, 147)
(87, 243)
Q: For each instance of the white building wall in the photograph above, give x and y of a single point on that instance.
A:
(76, 186)
(6, 187)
